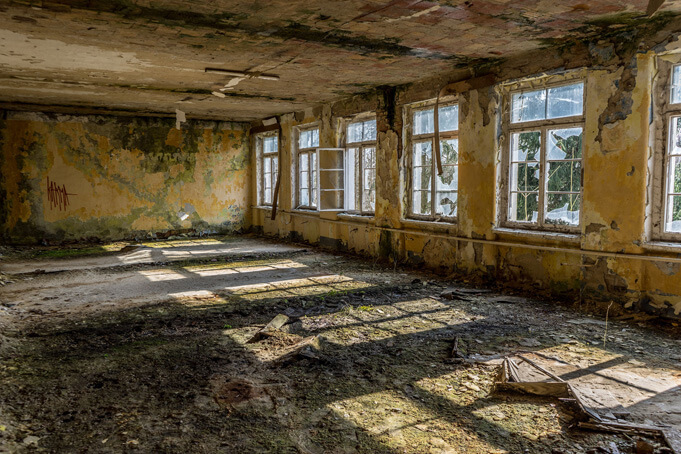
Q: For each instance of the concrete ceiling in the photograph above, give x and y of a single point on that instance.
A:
(149, 56)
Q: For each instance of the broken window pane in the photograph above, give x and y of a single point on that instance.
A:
(423, 122)
(525, 146)
(354, 132)
(421, 202)
(449, 118)
(565, 176)
(449, 151)
(676, 84)
(446, 203)
(566, 101)
(565, 144)
(528, 106)
(525, 176)
(562, 209)
(369, 130)
(524, 206)
(673, 223)
(449, 180)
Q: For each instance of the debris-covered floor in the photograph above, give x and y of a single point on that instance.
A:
(147, 348)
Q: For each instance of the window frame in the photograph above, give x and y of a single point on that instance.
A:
(312, 169)
(261, 156)
(412, 139)
(358, 164)
(509, 129)
(665, 112)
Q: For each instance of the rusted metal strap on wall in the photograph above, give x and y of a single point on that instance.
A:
(452, 89)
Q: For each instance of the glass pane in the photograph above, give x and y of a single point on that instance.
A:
(370, 130)
(673, 223)
(524, 207)
(449, 118)
(423, 154)
(445, 203)
(562, 209)
(449, 180)
(267, 165)
(304, 179)
(304, 163)
(565, 143)
(355, 132)
(305, 197)
(267, 183)
(304, 139)
(528, 106)
(525, 146)
(268, 195)
(368, 200)
(369, 180)
(270, 144)
(421, 202)
(449, 151)
(275, 165)
(674, 180)
(525, 177)
(422, 177)
(423, 121)
(675, 145)
(368, 158)
(565, 176)
(676, 84)
(566, 101)
(313, 196)
(314, 138)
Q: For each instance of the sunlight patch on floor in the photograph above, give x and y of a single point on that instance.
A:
(318, 285)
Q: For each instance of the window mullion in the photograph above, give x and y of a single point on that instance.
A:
(543, 166)
(433, 192)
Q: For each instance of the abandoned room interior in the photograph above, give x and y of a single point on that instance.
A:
(353, 226)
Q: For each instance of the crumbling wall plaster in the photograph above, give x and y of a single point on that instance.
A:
(73, 177)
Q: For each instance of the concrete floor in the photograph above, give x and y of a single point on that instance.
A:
(147, 349)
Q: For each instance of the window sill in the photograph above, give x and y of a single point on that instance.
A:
(662, 246)
(433, 226)
(262, 207)
(363, 218)
(556, 237)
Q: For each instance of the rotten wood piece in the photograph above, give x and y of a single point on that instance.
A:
(275, 324)
(307, 348)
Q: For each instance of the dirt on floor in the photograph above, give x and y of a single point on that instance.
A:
(147, 355)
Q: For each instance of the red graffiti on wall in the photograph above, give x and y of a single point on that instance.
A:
(57, 195)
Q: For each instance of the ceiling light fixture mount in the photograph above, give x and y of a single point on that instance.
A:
(244, 74)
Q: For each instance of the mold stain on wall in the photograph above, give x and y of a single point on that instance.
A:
(116, 177)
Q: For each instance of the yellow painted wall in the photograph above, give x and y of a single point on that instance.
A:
(67, 177)
(586, 265)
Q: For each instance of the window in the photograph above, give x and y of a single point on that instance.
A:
(361, 154)
(443, 188)
(267, 146)
(545, 131)
(672, 159)
(308, 141)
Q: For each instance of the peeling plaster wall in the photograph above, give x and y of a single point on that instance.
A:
(73, 177)
(615, 206)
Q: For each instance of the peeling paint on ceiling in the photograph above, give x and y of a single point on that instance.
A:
(150, 55)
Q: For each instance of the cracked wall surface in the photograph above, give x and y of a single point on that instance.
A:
(74, 177)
